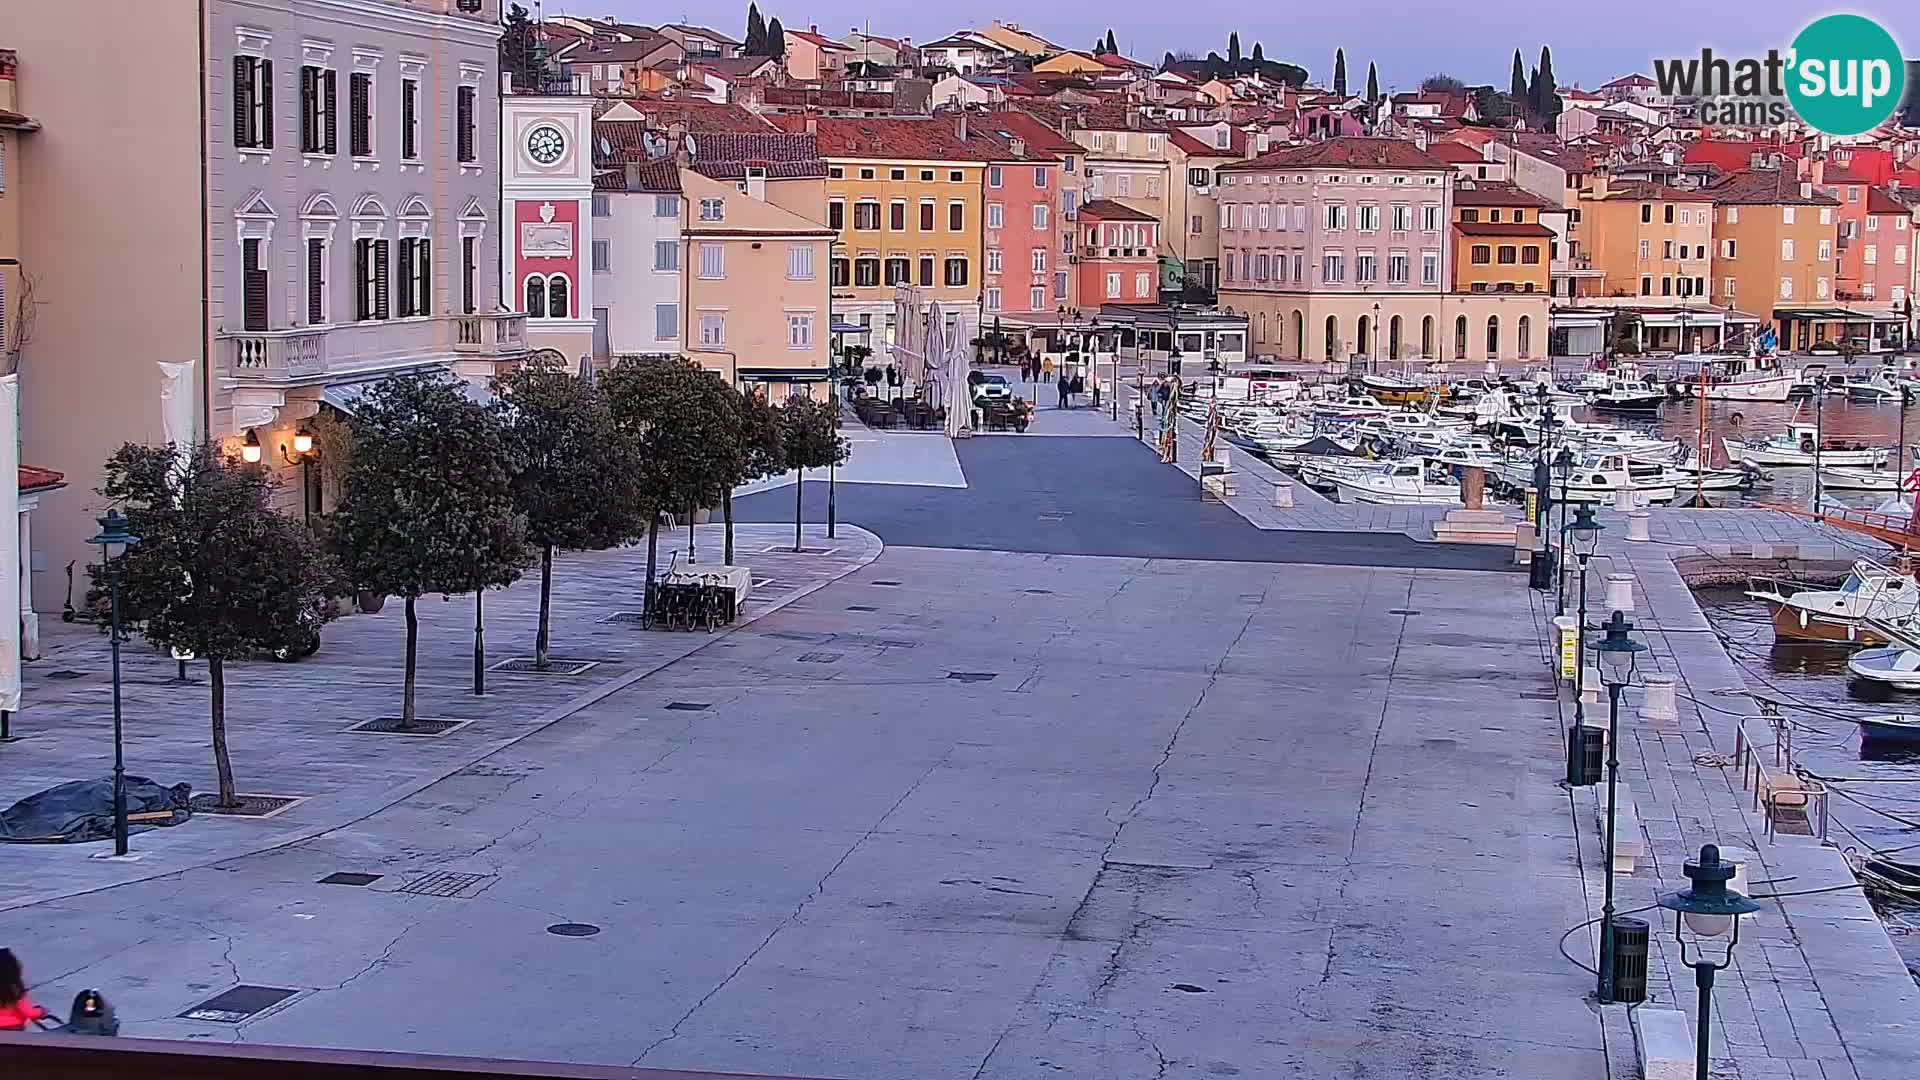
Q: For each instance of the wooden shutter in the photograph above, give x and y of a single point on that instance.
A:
(253, 286)
(423, 266)
(309, 110)
(328, 113)
(408, 91)
(406, 278)
(316, 281)
(361, 268)
(359, 119)
(464, 108)
(264, 88)
(242, 101)
(380, 280)
(466, 273)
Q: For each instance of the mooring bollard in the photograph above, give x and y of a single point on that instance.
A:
(1638, 525)
(1620, 592)
(1283, 496)
(1623, 501)
(1660, 706)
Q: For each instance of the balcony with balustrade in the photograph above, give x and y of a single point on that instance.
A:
(305, 356)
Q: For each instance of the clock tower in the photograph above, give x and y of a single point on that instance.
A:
(546, 192)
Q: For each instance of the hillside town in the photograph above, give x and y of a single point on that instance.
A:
(552, 546)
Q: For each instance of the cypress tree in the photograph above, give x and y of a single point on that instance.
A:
(1166, 62)
(756, 44)
(1340, 72)
(776, 39)
(1233, 48)
(1112, 46)
(1258, 59)
(1517, 89)
(1546, 101)
(1373, 83)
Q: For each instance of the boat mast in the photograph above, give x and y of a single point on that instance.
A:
(1700, 477)
(1819, 436)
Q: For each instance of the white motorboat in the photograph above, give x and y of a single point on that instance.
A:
(1734, 378)
(1412, 482)
(1689, 476)
(1874, 391)
(1882, 479)
(1843, 616)
(1629, 399)
(1627, 442)
(1597, 477)
(1888, 665)
(1401, 424)
(1796, 448)
(1351, 407)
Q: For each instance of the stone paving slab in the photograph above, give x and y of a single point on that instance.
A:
(287, 723)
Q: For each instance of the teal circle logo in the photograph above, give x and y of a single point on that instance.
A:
(1846, 75)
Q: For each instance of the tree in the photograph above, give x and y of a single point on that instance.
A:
(1233, 48)
(575, 482)
(1340, 72)
(1442, 84)
(1110, 46)
(1167, 62)
(519, 49)
(1258, 59)
(1373, 83)
(427, 504)
(217, 572)
(811, 441)
(1518, 88)
(1546, 96)
(763, 438)
(776, 39)
(756, 43)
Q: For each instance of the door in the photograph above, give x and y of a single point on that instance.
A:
(601, 347)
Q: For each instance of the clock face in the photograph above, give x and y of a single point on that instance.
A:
(545, 144)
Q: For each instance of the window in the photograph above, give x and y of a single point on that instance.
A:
(1666, 249)
(253, 284)
(1667, 213)
(1646, 250)
(1039, 260)
(956, 217)
(469, 264)
(602, 256)
(1429, 268)
(1871, 254)
(1402, 217)
(416, 277)
(316, 281)
(897, 174)
(1397, 268)
(926, 215)
(1037, 297)
(1666, 286)
(926, 174)
(1040, 216)
(955, 177)
(1469, 214)
(841, 273)
(1460, 336)
(1820, 288)
(1113, 286)
(1199, 178)
(713, 328)
(465, 108)
(1866, 290)
(956, 271)
(993, 298)
(713, 261)
(1261, 265)
(866, 215)
(1786, 288)
(1646, 285)
(318, 122)
(1140, 284)
(799, 330)
(898, 271)
(995, 215)
(866, 174)
(1059, 285)
(837, 214)
(666, 206)
(897, 215)
(410, 119)
(1727, 286)
(800, 262)
(926, 271)
(360, 114)
(1900, 254)
(1646, 213)
(1733, 215)
(1226, 216)
(1853, 194)
(1199, 224)
(666, 255)
(1261, 214)
(666, 322)
(1786, 249)
(253, 102)
(536, 297)
(1040, 177)
(1482, 255)
(994, 260)
(370, 279)
(1786, 215)
(1430, 217)
(1369, 217)
(1336, 216)
(1729, 249)
(836, 172)
(1873, 224)
(1530, 255)
(1300, 216)
(1365, 270)
(1333, 267)
(713, 210)
(993, 176)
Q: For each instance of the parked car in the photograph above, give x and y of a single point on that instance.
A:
(992, 388)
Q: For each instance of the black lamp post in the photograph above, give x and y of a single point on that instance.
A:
(1709, 908)
(1617, 653)
(1585, 534)
(1563, 464)
(302, 454)
(113, 533)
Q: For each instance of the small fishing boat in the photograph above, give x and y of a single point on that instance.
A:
(1391, 390)
(1844, 479)
(1888, 665)
(1733, 378)
(1412, 482)
(1597, 478)
(1874, 391)
(1689, 474)
(1890, 728)
(1351, 407)
(1871, 593)
(1629, 399)
(1795, 448)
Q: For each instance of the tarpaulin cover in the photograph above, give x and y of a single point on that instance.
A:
(82, 810)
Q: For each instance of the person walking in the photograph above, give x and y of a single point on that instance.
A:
(17, 1010)
(1094, 388)
(1064, 387)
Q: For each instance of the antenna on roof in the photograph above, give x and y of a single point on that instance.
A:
(693, 148)
(606, 148)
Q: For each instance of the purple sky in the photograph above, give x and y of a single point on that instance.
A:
(1592, 42)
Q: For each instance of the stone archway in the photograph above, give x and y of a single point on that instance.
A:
(1393, 338)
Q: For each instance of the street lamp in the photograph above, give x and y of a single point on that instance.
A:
(113, 533)
(302, 454)
(250, 449)
(1563, 464)
(1617, 652)
(1709, 908)
(1585, 535)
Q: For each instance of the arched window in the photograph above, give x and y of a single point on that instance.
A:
(1260, 327)
(1493, 337)
(1333, 338)
(557, 298)
(1426, 337)
(1363, 340)
(1460, 338)
(1526, 337)
(1393, 338)
(1299, 334)
(536, 296)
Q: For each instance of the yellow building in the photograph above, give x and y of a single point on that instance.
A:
(12, 126)
(1646, 239)
(757, 300)
(1774, 237)
(904, 197)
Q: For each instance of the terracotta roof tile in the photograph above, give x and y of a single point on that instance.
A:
(33, 476)
(1648, 191)
(727, 155)
(1457, 153)
(1488, 193)
(1880, 201)
(1355, 152)
(826, 97)
(1012, 123)
(1769, 187)
(894, 139)
(657, 177)
(1109, 210)
(1503, 228)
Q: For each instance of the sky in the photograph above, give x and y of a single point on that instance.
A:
(1592, 41)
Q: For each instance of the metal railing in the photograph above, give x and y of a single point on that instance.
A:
(1778, 786)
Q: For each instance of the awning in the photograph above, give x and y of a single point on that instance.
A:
(342, 395)
(840, 326)
(779, 374)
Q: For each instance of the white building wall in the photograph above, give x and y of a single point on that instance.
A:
(634, 287)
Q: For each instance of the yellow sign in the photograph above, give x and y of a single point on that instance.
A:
(1569, 648)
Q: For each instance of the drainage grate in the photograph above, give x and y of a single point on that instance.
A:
(689, 706)
(253, 806)
(421, 728)
(626, 617)
(886, 643)
(525, 665)
(1403, 611)
(887, 583)
(1539, 695)
(64, 674)
(444, 883)
(794, 635)
(818, 657)
(238, 1004)
(573, 929)
(972, 676)
(1038, 592)
(349, 877)
(861, 607)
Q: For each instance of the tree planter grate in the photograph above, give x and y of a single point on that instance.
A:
(689, 706)
(445, 883)
(349, 877)
(626, 617)
(888, 584)
(251, 806)
(861, 607)
(422, 728)
(526, 665)
(240, 1003)
(64, 675)
(818, 657)
(972, 676)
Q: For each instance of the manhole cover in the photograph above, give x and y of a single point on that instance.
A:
(573, 929)
(443, 883)
(861, 607)
(1403, 611)
(625, 617)
(348, 877)
(886, 583)
(64, 674)
(238, 1004)
(689, 706)
(420, 728)
(527, 665)
(972, 676)
(818, 657)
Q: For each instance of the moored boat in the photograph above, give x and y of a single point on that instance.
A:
(1410, 482)
(1843, 616)
(1890, 728)
(1797, 448)
(1888, 665)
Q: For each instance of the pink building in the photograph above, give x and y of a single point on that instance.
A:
(1119, 254)
(1874, 242)
(1032, 195)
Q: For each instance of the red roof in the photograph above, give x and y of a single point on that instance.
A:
(1648, 191)
(816, 39)
(895, 139)
(1503, 228)
(35, 478)
(1733, 155)
(826, 97)
(1014, 124)
(1197, 147)
(691, 113)
(1456, 153)
(1115, 60)
(1109, 210)
(1351, 152)
(1487, 193)
(1766, 187)
(1880, 202)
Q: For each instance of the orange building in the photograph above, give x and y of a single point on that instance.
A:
(1499, 241)
(1774, 235)
(1646, 239)
(1119, 254)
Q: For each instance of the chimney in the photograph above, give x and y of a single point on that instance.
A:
(1599, 188)
(1806, 189)
(960, 125)
(813, 126)
(812, 29)
(1020, 147)
(633, 176)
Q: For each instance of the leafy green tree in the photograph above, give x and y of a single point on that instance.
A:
(1340, 72)
(519, 49)
(1442, 83)
(1233, 48)
(427, 505)
(763, 438)
(776, 39)
(811, 441)
(756, 43)
(576, 482)
(217, 572)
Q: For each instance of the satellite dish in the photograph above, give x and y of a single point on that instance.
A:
(693, 148)
(606, 148)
